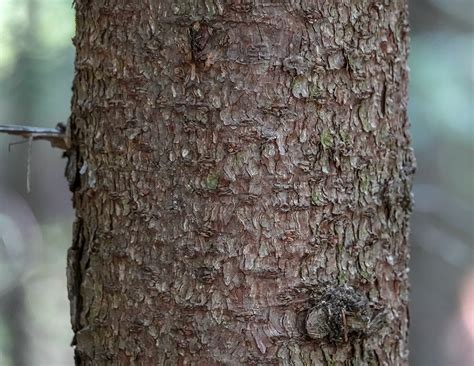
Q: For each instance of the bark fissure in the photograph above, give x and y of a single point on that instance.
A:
(75, 255)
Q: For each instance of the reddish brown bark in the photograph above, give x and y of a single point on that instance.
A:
(241, 174)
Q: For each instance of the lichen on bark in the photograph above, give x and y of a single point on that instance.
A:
(233, 159)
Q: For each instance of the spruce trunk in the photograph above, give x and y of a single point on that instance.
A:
(241, 174)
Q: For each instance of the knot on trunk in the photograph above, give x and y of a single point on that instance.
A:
(342, 314)
(207, 43)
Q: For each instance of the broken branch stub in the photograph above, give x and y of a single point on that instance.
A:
(57, 136)
(342, 314)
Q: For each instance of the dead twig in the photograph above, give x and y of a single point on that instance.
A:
(57, 136)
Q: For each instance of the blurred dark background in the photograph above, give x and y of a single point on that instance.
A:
(36, 69)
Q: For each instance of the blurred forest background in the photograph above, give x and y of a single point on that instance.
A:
(36, 70)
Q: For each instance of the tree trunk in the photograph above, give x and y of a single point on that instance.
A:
(241, 174)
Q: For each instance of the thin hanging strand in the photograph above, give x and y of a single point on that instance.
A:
(28, 165)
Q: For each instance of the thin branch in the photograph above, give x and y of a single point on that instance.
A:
(57, 136)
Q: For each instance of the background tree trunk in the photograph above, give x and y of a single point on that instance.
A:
(241, 173)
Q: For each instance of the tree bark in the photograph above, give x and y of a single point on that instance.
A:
(241, 174)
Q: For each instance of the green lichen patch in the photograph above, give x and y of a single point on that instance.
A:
(211, 181)
(316, 199)
(327, 139)
(342, 278)
(364, 182)
(315, 92)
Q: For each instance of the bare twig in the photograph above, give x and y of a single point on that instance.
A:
(56, 136)
(15, 143)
